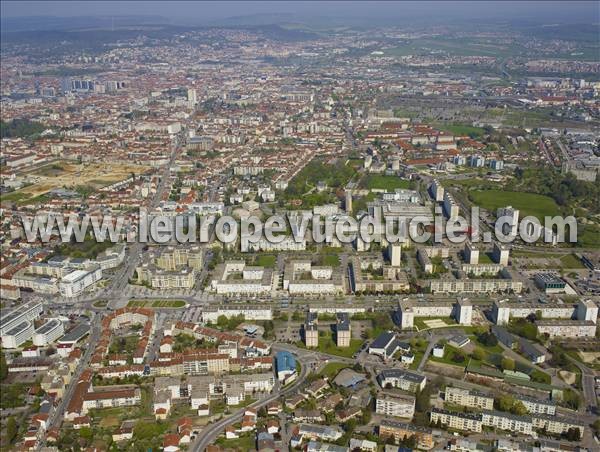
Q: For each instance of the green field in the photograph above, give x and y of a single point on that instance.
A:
(244, 443)
(461, 47)
(464, 130)
(379, 182)
(590, 238)
(449, 353)
(330, 260)
(328, 346)
(156, 304)
(332, 369)
(265, 260)
(21, 198)
(528, 204)
(571, 261)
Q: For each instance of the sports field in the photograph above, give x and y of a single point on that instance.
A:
(528, 203)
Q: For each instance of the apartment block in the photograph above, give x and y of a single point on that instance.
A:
(402, 379)
(469, 398)
(401, 430)
(398, 405)
(458, 421)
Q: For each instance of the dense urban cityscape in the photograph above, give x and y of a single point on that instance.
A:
(478, 332)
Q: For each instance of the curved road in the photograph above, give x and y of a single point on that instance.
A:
(206, 437)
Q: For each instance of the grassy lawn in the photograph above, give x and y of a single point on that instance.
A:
(463, 130)
(590, 238)
(485, 258)
(244, 443)
(110, 417)
(538, 206)
(327, 345)
(534, 255)
(265, 260)
(332, 369)
(449, 353)
(156, 304)
(22, 198)
(390, 183)
(571, 261)
(489, 349)
(330, 260)
(418, 351)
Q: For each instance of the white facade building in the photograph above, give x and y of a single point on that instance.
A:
(73, 284)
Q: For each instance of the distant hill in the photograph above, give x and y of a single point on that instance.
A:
(53, 23)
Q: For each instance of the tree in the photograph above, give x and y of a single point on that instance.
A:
(422, 401)
(222, 321)
(573, 434)
(518, 408)
(504, 402)
(488, 339)
(86, 433)
(571, 399)
(596, 426)
(479, 354)
(458, 357)
(508, 364)
(11, 429)
(366, 416)
(3, 366)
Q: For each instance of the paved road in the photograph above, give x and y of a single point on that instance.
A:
(57, 417)
(589, 385)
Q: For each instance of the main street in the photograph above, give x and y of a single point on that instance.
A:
(56, 417)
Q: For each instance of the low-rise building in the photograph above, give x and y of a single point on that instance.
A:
(385, 345)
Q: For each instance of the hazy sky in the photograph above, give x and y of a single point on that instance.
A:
(202, 12)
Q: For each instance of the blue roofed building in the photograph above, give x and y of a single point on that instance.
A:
(286, 366)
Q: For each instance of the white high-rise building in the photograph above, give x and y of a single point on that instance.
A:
(471, 254)
(587, 310)
(500, 254)
(509, 219)
(500, 313)
(192, 97)
(395, 253)
(464, 312)
(437, 191)
(348, 202)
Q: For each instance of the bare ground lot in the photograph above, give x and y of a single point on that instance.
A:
(70, 175)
